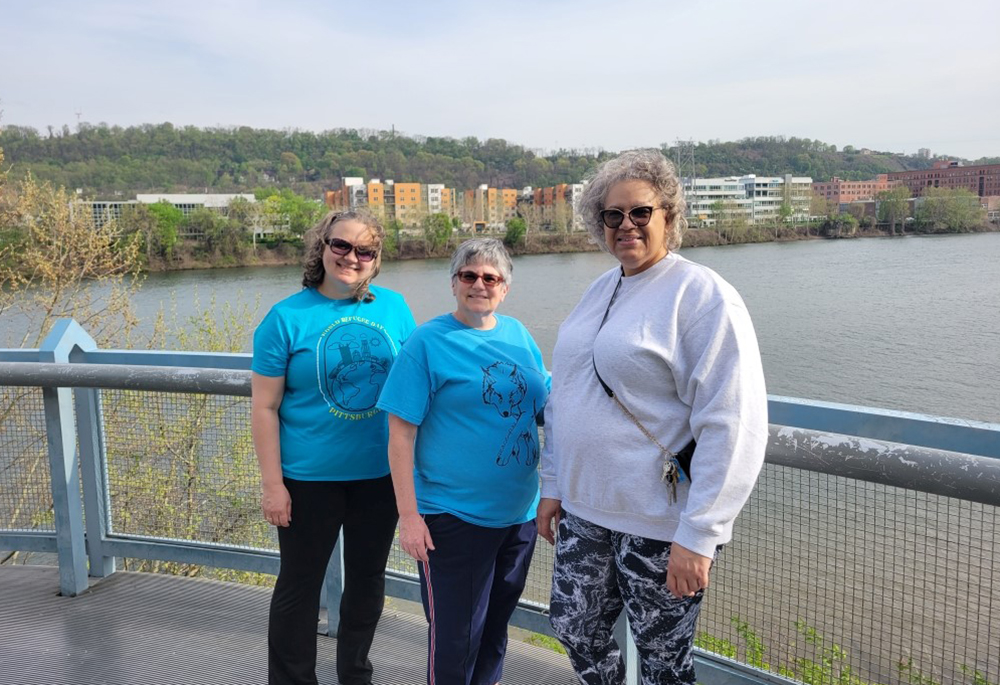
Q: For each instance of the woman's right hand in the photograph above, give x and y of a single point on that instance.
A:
(547, 518)
(414, 537)
(276, 504)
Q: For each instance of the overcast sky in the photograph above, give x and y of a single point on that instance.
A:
(887, 75)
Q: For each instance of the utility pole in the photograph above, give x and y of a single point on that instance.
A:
(684, 162)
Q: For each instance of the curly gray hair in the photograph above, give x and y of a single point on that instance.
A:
(489, 251)
(643, 165)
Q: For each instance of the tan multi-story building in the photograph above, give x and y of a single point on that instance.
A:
(837, 190)
(508, 204)
(554, 207)
(409, 202)
(486, 208)
(448, 204)
(492, 209)
(982, 180)
(376, 199)
(352, 194)
(472, 206)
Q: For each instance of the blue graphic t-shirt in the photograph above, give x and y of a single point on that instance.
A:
(474, 395)
(335, 356)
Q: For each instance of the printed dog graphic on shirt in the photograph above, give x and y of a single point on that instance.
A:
(505, 388)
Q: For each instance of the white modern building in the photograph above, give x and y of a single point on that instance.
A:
(758, 199)
(432, 197)
(190, 202)
(101, 211)
(706, 197)
(770, 192)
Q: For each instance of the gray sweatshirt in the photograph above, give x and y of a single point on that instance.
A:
(680, 352)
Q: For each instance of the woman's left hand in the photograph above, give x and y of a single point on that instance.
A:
(687, 571)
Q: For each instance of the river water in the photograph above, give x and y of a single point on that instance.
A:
(900, 323)
(906, 323)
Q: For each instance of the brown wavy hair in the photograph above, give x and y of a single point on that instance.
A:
(315, 239)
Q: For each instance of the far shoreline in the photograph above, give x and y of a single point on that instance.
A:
(290, 254)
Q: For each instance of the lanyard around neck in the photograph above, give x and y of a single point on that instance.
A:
(604, 320)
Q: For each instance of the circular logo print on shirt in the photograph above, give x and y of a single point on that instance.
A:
(354, 360)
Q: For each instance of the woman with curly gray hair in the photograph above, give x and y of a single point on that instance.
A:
(655, 432)
(320, 360)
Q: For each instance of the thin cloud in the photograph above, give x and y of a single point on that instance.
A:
(886, 75)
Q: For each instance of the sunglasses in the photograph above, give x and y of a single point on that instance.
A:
(639, 216)
(470, 277)
(342, 247)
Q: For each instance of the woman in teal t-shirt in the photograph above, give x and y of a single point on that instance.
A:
(463, 400)
(320, 360)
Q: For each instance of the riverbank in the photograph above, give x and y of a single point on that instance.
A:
(191, 254)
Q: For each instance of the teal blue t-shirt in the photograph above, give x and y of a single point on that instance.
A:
(475, 396)
(335, 356)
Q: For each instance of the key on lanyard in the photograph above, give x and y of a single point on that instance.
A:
(670, 476)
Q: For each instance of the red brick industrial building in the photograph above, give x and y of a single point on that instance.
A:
(838, 191)
(983, 180)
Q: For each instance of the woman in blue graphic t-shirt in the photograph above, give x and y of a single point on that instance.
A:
(320, 360)
(462, 400)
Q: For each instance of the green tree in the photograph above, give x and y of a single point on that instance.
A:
(437, 231)
(289, 166)
(393, 237)
(220, 236)
(731, 221)
(820, 206)
(893, 206)
(941, 210)
(840, 226)
(155, 226)
(168, 223)
(300, 212)
(516, 231)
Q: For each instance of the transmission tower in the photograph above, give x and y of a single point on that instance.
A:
(684, 158)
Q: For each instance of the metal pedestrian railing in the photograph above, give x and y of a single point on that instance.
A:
(869, 552)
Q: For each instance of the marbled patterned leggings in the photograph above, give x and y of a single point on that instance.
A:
(598, 572)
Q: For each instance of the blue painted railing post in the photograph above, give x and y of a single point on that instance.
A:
(94, 470)
(59, 429)
(333, 587)
(623, 636)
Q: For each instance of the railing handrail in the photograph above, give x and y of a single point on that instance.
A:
(228, 374)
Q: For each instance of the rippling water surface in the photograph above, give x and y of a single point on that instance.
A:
(906, 323)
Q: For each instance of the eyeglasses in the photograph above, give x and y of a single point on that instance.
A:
(639, 216)
(470, 277)
(339, 247)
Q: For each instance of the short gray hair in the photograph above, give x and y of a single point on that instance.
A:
(643, 165)
(489, 251)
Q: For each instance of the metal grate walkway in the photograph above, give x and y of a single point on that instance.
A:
(138, 629)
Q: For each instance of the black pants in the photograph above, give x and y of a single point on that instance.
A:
(470, 588)
(367, 511)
